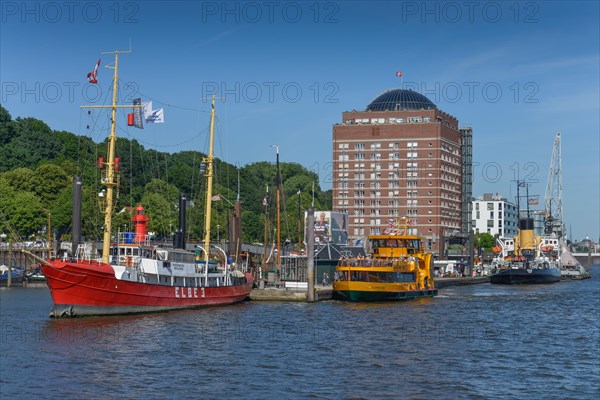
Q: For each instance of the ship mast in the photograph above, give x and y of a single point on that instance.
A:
(109, 180)
(209, 175)
(110, 171)
(278, 194)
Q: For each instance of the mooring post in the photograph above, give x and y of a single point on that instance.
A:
(8, 282)
(589, 256)
(310, 254)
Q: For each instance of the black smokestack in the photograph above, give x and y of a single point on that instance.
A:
(179, 239)
(526, 224)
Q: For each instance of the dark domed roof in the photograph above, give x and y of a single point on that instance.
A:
(401, 99)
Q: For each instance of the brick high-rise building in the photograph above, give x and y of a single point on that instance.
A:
(401, 157)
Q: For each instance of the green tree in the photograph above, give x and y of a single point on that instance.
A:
(62, 209)
(7, 130)
(25, 211)
(49, 180)
(20, 179)
(32, 142)
(484, 240)
(167, 191)
(6, 192)
(162, 214)
(92, 220)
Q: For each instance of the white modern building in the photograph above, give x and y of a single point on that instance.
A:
(495, 215)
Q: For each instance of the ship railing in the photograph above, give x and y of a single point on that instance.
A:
(130, 238)
(402, 263)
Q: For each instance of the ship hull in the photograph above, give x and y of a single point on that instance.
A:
(526, 277)
(91, 288)
(358, 295)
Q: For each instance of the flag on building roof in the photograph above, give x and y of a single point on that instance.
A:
(399, 74)
(533, 201)
(93, 76)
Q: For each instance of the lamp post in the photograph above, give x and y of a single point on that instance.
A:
(589, 257)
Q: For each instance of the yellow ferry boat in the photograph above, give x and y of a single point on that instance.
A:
(397, 267)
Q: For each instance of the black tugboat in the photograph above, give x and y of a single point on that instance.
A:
(525, 259)
(526, 262)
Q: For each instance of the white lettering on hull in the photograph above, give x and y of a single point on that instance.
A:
(188, 293)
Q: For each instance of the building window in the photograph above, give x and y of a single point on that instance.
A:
(490, 223)
(490, 206)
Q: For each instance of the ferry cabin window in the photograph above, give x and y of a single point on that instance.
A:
(414, 243)
(376, 243)
(382, 277)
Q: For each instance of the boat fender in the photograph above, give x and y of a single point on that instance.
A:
(128, 262)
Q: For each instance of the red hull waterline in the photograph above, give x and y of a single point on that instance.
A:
(90, 288)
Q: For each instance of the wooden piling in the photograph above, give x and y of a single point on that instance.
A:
(310, 254)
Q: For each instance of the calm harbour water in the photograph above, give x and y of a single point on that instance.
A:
(476, 342)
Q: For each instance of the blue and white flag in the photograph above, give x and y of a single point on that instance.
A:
(157, 116)
(153, 116)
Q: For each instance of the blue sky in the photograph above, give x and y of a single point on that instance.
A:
(517, 72)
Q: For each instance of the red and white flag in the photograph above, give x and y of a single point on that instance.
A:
(399, 74)
(93, 76)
